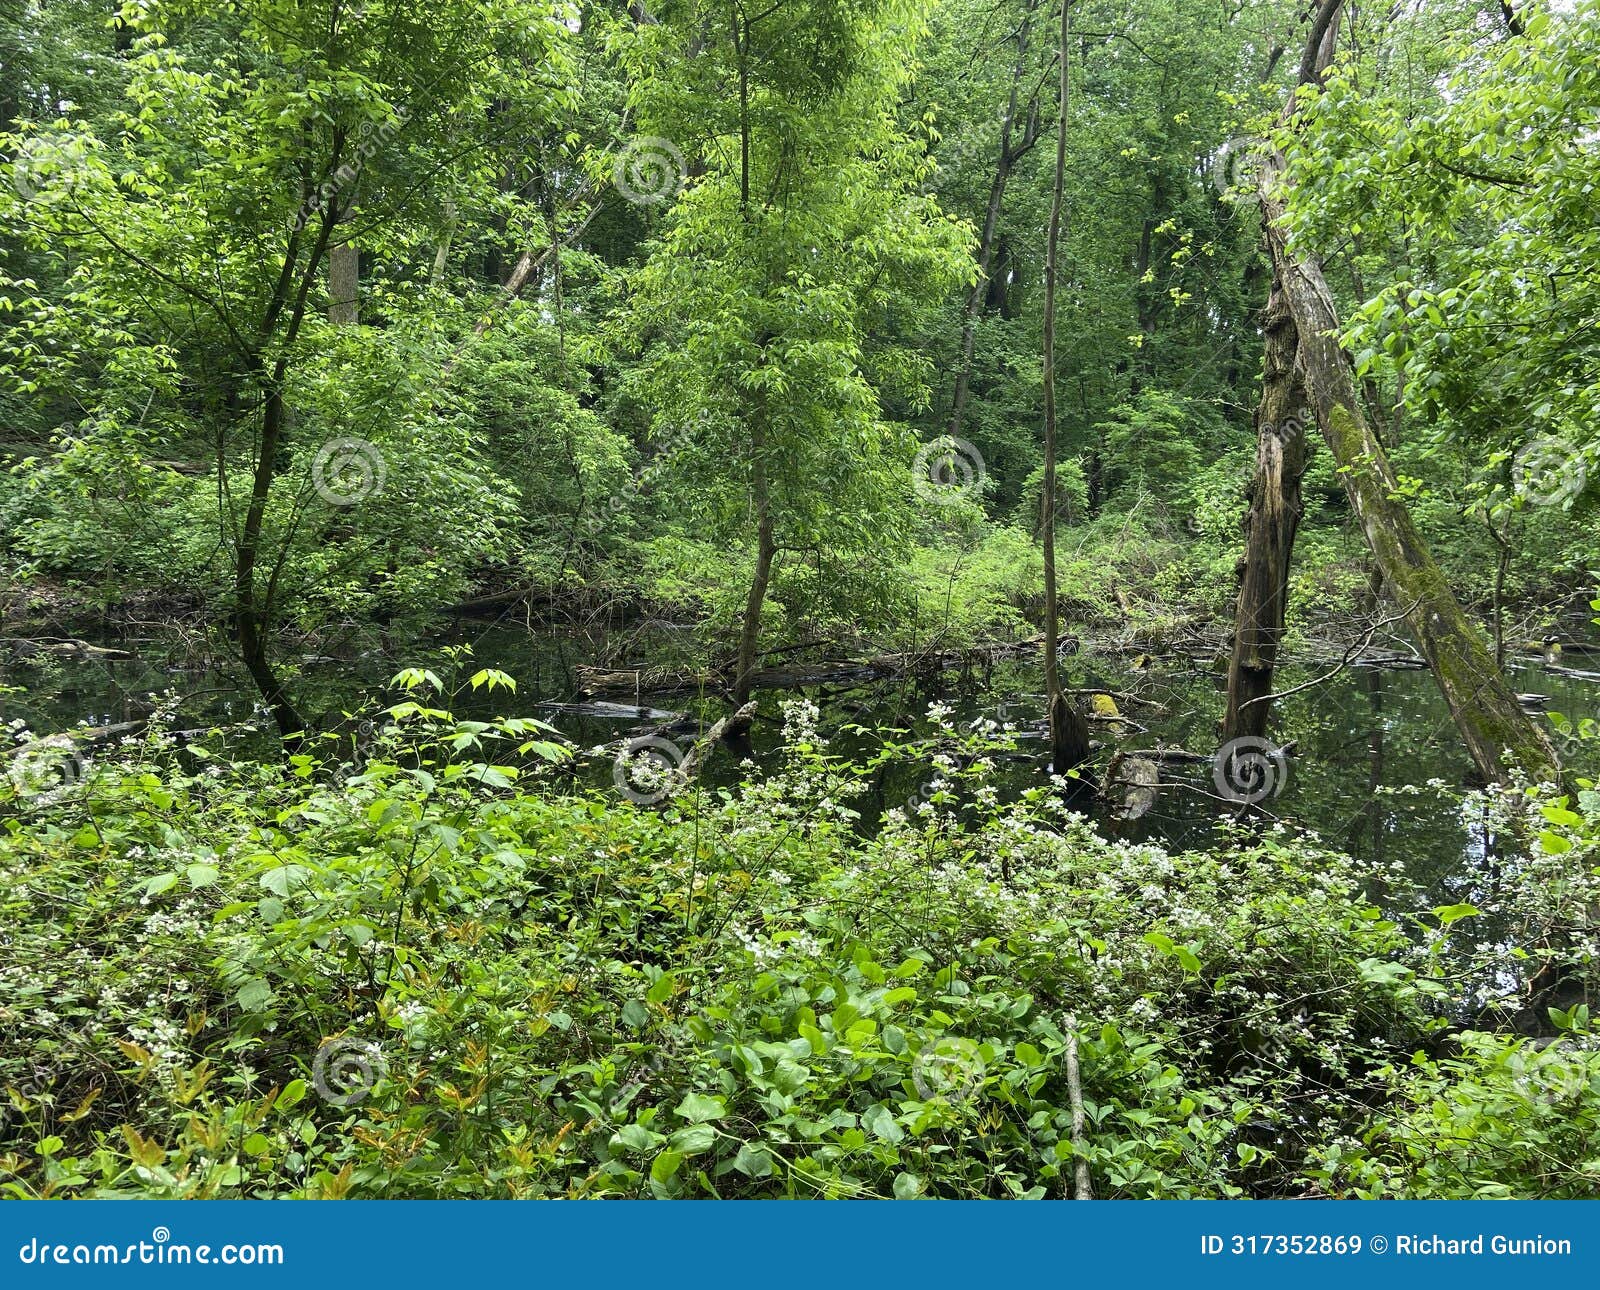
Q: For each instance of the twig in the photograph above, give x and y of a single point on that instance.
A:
(1075, 1091)
(1355, 651)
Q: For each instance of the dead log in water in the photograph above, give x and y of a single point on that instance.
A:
(593, 681)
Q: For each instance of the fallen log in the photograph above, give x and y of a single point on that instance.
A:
(611, 711)
(593, 681)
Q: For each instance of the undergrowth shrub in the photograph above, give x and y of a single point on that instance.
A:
(428, 969)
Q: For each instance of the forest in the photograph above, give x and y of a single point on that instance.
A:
(799, 599)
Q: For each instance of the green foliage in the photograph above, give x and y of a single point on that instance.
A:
(418, 973)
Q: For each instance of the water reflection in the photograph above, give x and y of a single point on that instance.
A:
(1353, 740)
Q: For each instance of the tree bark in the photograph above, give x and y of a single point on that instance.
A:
(1275, 511)
(344, 285)
(1491, 722)
(1069, 732)
(766, 549)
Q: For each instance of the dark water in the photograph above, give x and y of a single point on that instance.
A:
(1367, 731)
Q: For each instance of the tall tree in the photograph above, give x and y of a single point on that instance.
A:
(1069, 732)
(787, 272)
(1492, 724)
(202, 219)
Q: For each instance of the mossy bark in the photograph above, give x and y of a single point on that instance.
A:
(1495, 729)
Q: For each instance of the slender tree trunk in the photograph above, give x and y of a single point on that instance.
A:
(760, 486)
(441, 254)
(761, 578)
(252, 612)
(254, 607)
(1069, 732)
(982, 288)
(1275, 511)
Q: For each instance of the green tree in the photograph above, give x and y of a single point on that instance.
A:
(786, 277)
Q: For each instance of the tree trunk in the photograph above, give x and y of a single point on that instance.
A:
(766, 549)
(1484, 709)
(252, 609)
(344, 285)
(981, 289)
(1069, 732)
(1275, 511)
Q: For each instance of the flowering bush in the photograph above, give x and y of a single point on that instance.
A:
(436, 974)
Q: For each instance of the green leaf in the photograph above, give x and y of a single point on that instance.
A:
(635, 1014)
(753, 1161)
(638, 1138)
(1553, 843)
(282, 879)
(693, 1140)
(1447, 914)
(255, 995)
(880, 1122)
(665, 1165)
(696, 1107)
(907, 1186)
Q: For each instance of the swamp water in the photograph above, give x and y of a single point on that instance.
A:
(1355, 738)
